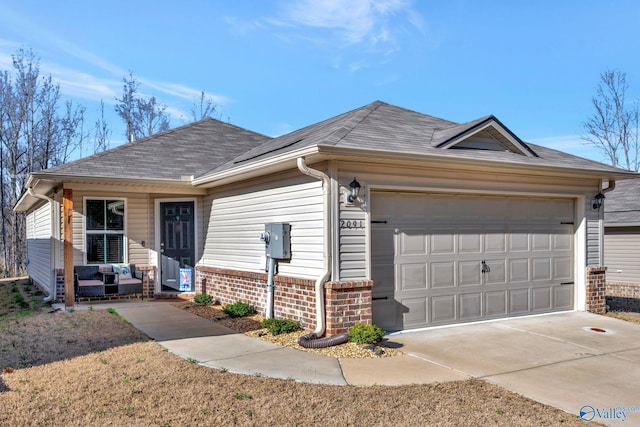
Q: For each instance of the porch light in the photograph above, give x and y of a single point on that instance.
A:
(355, 190)
(598, 200)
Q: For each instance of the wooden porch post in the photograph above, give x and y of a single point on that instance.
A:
(67, 214)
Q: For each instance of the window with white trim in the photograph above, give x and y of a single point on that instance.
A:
(105, 229)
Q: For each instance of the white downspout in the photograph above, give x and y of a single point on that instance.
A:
(52, 294)
(326, 252)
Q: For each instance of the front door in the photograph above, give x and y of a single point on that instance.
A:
(177, 246)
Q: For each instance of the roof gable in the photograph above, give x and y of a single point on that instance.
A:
(486, 133)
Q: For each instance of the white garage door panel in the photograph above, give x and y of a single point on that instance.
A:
(442, 259)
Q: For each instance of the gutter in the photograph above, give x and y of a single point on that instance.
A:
(326, 252)
(52, 294)
(610, 187)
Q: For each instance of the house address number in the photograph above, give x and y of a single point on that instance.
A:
(351, 223)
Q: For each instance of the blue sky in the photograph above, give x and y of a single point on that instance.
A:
(276, 66)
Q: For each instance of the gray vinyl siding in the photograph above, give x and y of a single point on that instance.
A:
(594, 245)
(137, 228)
(39, 243)
(352, 242)
(236, 219)
(622, 254)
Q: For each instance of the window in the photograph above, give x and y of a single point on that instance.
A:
(104, 225)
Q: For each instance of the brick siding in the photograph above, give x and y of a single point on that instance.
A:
(623, 296)
(346, 303)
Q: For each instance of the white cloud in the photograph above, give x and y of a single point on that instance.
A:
(352, 21)
(358, 20)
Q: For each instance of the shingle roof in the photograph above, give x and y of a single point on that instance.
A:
(388, 128)
(622, 205)
(209, 146)
(184, 151)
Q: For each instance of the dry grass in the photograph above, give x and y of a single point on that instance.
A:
(623, 315)
(92, 368)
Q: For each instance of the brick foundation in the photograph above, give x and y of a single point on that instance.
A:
(346, 303)
(623, 297)
(596, 290)
(293, 298)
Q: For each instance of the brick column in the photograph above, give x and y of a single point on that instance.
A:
(148, 284)
(596, 290)
(347, 303)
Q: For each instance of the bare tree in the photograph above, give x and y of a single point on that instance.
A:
(142, 116)
(150, 117)
(34, 135)
(202, 107)
(101, 132)
(613, 128)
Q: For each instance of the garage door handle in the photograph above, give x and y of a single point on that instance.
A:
(485, 267)
(566, 283)
(377, 221)
(377, 298)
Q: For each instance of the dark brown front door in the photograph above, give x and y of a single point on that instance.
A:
(177, 246)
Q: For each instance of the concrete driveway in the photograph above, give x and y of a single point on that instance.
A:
(555, 359)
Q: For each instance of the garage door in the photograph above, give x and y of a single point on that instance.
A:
(440, 259)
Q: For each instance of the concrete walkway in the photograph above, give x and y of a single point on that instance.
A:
(555, 359)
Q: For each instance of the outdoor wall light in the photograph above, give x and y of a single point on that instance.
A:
(355, 190)
(598, 200)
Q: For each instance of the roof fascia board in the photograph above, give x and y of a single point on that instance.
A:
(337, 152)
(330, 152)
(185, 182)
(495, 124)
(252, 169)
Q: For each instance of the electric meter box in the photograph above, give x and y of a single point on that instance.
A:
(278, 242)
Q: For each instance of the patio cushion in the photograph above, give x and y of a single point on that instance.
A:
(129, 281)
(90, 283)
(122, 270)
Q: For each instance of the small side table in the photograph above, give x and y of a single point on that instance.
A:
(110, 285)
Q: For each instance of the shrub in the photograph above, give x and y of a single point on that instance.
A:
(203, 299)
(280, 326)
(239, 309)
(365, 334)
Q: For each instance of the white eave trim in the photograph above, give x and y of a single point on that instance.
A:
(255, 168)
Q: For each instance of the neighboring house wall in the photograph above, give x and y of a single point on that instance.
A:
(39, 245)
(622, 256)
(237, 218)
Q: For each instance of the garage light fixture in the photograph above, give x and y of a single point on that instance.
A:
(355, 190)
(598, 200)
